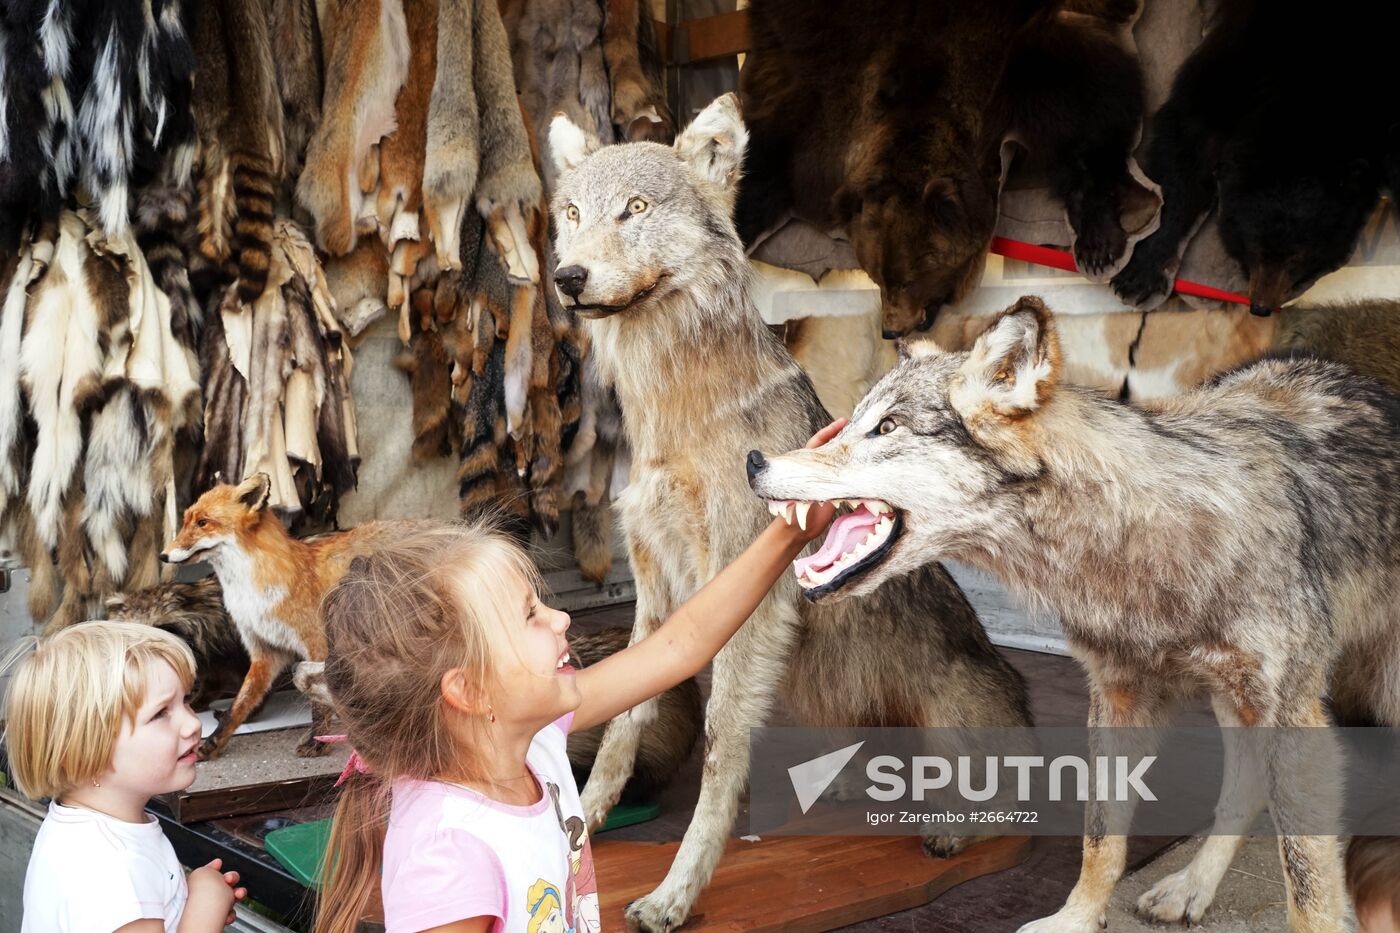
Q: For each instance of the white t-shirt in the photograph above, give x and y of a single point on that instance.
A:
(92, 873)
(451, 853)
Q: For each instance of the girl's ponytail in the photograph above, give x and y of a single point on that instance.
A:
(354, 855)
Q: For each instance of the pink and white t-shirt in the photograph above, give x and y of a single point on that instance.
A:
(452, 853)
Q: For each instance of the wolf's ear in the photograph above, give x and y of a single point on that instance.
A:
(569, 144)
(713, 145)
(254, 490)
(1012, 368)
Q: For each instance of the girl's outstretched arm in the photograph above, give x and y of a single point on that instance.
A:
(695, 632)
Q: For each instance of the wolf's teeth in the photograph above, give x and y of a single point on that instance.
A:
(773, 508)
(787, 512)
(802, 509)
(886, 523)
(876, 507)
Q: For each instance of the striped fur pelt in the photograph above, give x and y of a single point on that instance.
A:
(97, 96)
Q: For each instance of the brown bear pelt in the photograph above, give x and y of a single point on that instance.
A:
(887, 119)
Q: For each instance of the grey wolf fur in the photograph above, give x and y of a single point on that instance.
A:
(701, 380)
(664, 747)
(194, 612)
(1243, 538)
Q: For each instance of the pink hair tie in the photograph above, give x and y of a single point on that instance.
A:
(356, 764)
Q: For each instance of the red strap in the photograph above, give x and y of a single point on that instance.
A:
(1059, 259)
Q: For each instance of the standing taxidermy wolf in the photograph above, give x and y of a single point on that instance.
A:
(1244, 538)
(648, 253)
(272, 587)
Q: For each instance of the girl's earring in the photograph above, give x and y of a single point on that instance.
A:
(95, 784)
(491, 714)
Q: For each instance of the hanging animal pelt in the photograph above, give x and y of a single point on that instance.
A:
(239, 115)
(97, 96)
(296, 50)
(277, 395)
(639, 109)
(105, 385)
(366, 55)
(557, 49)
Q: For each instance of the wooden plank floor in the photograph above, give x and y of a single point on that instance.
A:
(799, 884)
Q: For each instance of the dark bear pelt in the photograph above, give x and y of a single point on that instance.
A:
(194, 612)
(1265, 124)
(887, 119)
(666, 743)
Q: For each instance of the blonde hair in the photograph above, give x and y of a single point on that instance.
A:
(433, 600)
(542, 894)
(68, 699)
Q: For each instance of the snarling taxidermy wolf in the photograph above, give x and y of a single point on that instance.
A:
(1244, 538)
(648, 253)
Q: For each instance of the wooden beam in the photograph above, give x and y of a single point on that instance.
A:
(705, 39)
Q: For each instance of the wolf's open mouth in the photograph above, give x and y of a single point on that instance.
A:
(601, 311)
(857, 541)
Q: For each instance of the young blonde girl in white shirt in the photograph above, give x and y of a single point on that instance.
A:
(96, 720)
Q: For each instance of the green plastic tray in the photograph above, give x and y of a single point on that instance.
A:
(301, 847)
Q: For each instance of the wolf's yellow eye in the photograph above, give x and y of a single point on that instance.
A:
(636, 206)
(886, 426)
(571, 212)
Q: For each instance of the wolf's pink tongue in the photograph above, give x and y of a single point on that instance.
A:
(845, 533)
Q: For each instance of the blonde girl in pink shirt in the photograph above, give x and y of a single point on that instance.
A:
(449, 674)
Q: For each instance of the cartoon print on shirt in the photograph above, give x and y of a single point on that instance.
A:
(546, 913)
(582, 886)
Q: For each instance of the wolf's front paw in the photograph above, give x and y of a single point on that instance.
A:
(595, 805)
(1066, 921)
(657, 912)
(208, 749)
(1180, 897)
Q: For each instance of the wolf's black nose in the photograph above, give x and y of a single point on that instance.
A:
(571, 279)
(755, 464)
(1259, 310)
(164, 557)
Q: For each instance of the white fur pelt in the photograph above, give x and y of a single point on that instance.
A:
(61, 366)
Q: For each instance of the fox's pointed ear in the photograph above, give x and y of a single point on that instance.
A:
(909, 348)
(254, 490)
(1012, 368)
(713, 145)
(569, 143)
